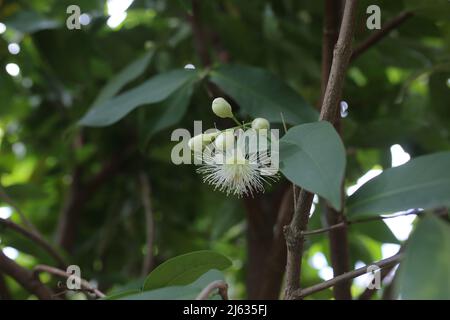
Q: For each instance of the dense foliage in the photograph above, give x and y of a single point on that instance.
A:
(85, 142)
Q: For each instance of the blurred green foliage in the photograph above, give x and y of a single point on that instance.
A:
(398, 93)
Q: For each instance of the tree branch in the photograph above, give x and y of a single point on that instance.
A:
(24, 277)
(329, 38)
(338, 239)
(385, 263)
(329, 112)
(222, 287)
(377, 36)
(37, 238)
(200, 39)
(339, 254)
(149, 222)
(4, 290)
(60, 273)
(80, 193)
(368, 293)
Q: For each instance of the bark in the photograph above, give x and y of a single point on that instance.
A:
(24, 277)
(329, 112)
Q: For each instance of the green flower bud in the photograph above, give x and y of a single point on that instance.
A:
(225, 140)
(222, 108)
(260, 123)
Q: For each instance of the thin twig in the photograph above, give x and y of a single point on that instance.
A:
(37, 238)
(388, 262)
(149, 222)
(222, 287)
(375, 37)
(356, 221)
(8, 200)
(61, 273)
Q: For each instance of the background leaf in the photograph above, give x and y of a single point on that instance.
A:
(424, 271)
(260, 94)
(129, 73)
(313, 157)
(30, 21)
(423, 182)
(187, 292)
(184, 269)
(154, 90)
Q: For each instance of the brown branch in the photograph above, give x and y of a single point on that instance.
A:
(368, 293)
(200, 39)
(341, 56)
(385, 263)
(80, 193)
(338, 239)
(329, 38)
(294, 242)
(36, 238)
(329, 112)
(377, 36)
(339, 253)
(4, 290)
(60, 273)
(222, 287)
(276, 256)
(24, 277)
(149, 222)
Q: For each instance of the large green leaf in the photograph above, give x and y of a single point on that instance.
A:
(423, 182)
(184, 269)
(154, 90)
(170, 111)
(129, 73)
(261, 94)
(425, 271)
(313, 157)
(377, 230)
(186, 292)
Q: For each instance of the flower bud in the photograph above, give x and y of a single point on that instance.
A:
(225, 140)
(199, 141)
(222, 108)
(260, 123)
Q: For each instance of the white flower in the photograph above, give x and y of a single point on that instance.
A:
(235, 171)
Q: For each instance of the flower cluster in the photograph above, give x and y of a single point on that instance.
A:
(236, 160)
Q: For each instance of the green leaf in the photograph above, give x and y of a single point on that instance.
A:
(424, 272)
(171, 111)
(123, 294)
(313, 157)
(129, 73)
(187, 292)
(184, 269)
(423, 182)
(29, 22)
(261, 94)
(154, 90)
(377, 230)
